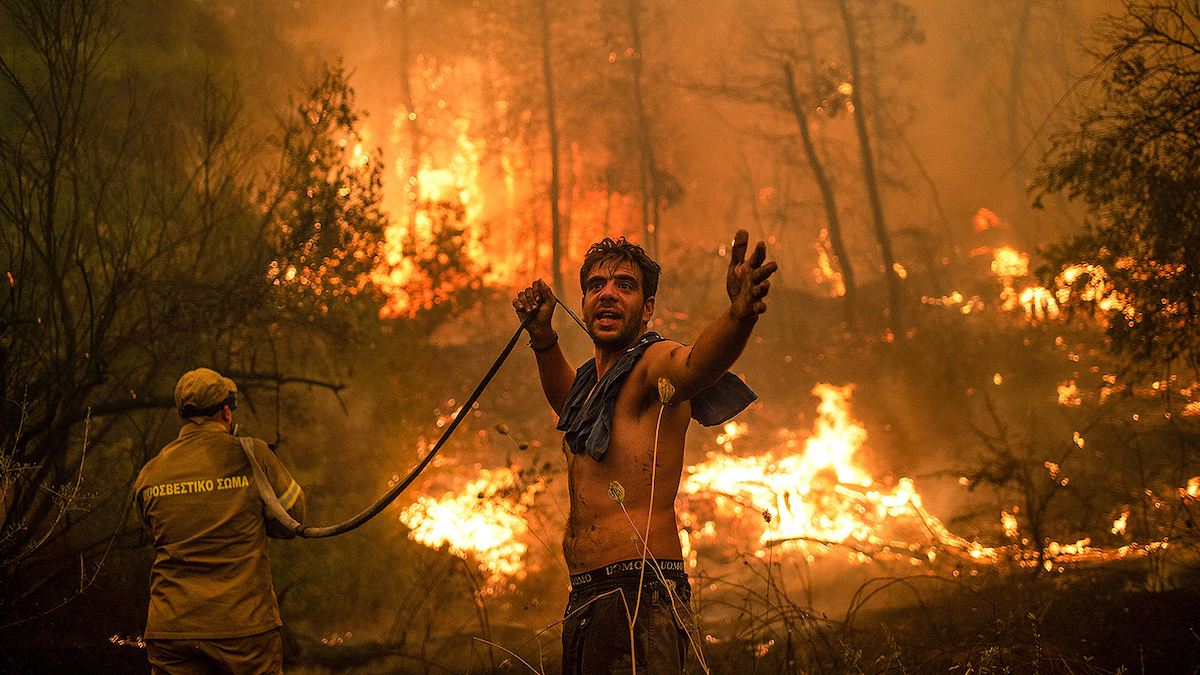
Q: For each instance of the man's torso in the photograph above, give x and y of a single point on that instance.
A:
(601, 532)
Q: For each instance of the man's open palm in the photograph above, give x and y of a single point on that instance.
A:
(748, 280)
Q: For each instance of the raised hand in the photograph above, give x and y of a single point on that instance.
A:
(537, 298)
(748, 280)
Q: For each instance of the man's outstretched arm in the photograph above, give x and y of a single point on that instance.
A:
(554, 370)
(691, 369)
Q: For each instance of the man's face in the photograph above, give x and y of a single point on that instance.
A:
(614, 309)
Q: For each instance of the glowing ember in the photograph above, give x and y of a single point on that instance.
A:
(733, 431)
(1039, 304)
(129, 641)
(1008, 262)
(1096, 288)
(1118, 526)
(1192, 491)
(985, 219)
(1068, 394)
(1009, 523)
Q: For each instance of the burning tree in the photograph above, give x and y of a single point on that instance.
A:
(1132, 157)
(430, 264)
(328, 222)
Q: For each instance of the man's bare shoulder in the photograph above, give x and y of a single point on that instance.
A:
(653, 364)
(662, 350)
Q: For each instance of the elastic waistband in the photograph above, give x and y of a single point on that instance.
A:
(671, 569)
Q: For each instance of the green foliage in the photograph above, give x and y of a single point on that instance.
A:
(1132, 157)
(329, 225)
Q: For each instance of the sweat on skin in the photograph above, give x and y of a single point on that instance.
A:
(616, 311)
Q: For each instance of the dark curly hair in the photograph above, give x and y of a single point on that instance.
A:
(621, 250)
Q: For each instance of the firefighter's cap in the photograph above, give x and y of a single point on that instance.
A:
(203, 389)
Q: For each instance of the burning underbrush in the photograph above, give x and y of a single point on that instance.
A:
(782, 530)
(803, 494)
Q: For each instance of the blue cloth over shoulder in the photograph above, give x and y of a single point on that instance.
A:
(588, 421)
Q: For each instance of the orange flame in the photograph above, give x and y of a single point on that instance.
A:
(808, 494)
(482, 520)
(819, 496)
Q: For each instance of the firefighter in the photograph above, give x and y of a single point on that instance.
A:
(212, 603)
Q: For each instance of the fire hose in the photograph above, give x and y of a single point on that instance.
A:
(276, 510)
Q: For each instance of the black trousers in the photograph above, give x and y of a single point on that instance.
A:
(607, 626)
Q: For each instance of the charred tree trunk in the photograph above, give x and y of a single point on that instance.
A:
(556, 254)
(572, 196)
(412, 183)
(649, 164)
(1016, 84)
(895, 316)
(841, 255)
(1012, 112)
(608, 195)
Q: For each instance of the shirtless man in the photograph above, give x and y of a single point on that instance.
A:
(624, 449)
